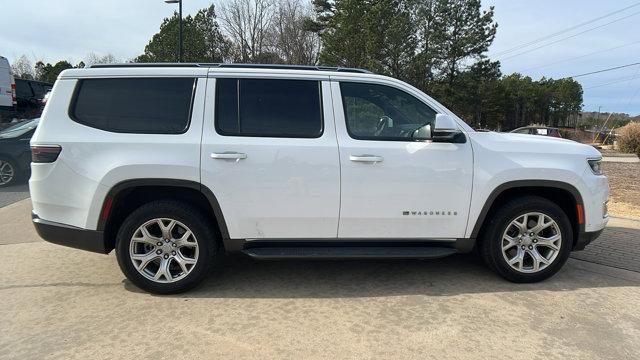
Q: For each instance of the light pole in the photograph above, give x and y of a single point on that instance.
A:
(179, 2)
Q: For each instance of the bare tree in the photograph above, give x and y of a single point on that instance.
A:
(93, 58)
(291, 41)
(248, 23)
(23, 68)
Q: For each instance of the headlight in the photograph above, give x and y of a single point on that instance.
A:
(594, 164)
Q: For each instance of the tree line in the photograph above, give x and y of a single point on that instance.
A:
(438, 46)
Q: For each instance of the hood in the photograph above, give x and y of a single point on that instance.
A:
(524, 143)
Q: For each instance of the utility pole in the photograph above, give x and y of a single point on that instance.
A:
(179, 2)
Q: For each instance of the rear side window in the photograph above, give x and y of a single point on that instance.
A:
(141, 105)
(38, 90)
(23, 90)
(268, 108)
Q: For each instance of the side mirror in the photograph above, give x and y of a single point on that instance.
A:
(447, 130)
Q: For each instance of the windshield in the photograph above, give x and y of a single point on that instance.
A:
(19, 129)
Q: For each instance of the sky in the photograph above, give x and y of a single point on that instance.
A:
(70, 29)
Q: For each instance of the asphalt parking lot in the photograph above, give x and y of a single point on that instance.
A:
(13, 193)
(67, 304)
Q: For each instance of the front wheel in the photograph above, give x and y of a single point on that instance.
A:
(166, 247)
(528, 239)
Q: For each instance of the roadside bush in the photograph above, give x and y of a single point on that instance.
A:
(629, 138)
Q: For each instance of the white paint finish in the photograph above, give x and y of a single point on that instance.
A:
(504, 157)
(92, 161)
(413, 176)
(284, 188)
(290, 188)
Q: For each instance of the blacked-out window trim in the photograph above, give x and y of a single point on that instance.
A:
(240, 133)
(377, 138)
(80, 82)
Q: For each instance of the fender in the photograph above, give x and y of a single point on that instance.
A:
(128, 184)
(523, 183)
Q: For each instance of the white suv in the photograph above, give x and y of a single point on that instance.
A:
(173, 164)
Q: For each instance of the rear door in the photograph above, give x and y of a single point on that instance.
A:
(394, 187)
(269, 154)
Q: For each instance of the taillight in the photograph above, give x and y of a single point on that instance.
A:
(45, 153)
(14, 100)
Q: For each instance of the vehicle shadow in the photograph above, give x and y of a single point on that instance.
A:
(241, 277)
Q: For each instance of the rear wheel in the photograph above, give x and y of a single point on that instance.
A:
(166, 247)
(8, 172)
(528, 239)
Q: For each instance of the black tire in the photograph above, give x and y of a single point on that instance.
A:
(16, 172)
(192, 218)
(491, 239)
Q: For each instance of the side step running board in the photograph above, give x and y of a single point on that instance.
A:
(349, 252)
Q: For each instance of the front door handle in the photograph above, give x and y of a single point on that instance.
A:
(229, 155)
(366, 158)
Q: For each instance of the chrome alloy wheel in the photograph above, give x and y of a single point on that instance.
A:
(7, 172)
(531, 242)
(163, 250)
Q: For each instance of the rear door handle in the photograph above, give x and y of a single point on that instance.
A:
(366, 158)
(229, 155)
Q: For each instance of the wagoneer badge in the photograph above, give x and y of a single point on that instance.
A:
(430, 213)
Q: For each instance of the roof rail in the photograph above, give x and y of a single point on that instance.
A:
(167, 64)
(235, 65)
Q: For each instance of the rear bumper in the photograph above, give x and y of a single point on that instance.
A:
(71, 236)
(585, 238)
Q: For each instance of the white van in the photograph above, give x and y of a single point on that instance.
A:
(7, 88)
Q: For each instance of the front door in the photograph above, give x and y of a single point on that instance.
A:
(269, 155)
(395, 187)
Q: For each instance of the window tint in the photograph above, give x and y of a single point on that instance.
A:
(142, 105)
(268, 108)
(38, 89)
(378, 112)
(23, 90)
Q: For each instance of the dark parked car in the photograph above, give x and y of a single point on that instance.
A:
(15, 153)
(538, 130)
(30, 96)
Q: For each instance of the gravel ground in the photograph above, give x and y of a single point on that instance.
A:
(624, 180)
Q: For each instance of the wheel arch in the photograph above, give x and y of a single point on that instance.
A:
(561, 193)
(128, 195)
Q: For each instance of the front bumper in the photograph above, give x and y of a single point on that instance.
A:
(585, 238)
(67, 235)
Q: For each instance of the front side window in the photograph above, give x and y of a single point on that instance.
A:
(379, 112)
(136, 105)
(268, 108)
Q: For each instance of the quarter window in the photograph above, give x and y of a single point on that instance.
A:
(379, 112)
(268, 108)
(141, 105)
